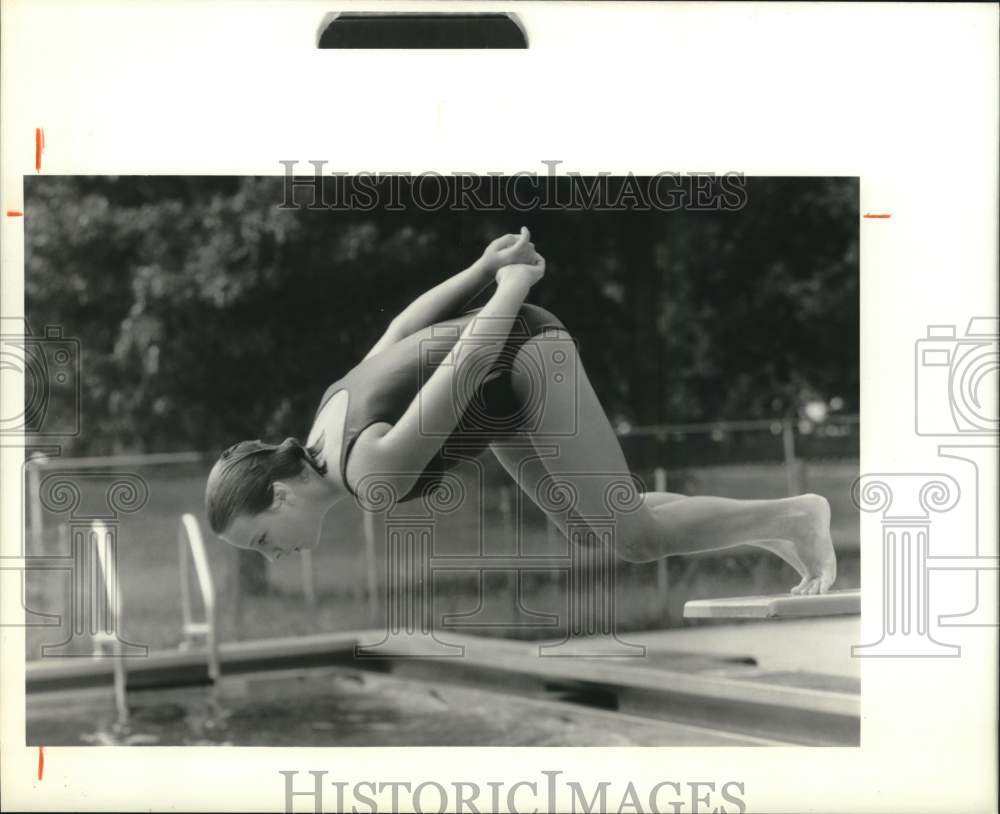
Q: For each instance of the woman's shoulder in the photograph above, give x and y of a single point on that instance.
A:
(327, 432)
(329, 393)
(332, 405)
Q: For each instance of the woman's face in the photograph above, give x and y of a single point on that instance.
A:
(292, 523)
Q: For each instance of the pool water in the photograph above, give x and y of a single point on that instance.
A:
(341, 707)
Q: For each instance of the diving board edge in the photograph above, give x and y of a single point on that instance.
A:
(784, 606)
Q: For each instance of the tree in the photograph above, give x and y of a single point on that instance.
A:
(208, 315)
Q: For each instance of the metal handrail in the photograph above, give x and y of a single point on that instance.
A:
(108, 637)
(190, 543)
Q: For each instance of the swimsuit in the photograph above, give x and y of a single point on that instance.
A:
(383, 386)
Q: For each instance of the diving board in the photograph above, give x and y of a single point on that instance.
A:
(784, 606)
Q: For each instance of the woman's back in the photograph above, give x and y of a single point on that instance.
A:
(381, 387)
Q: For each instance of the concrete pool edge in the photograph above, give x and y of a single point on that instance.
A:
(791, 714)
(181, 667)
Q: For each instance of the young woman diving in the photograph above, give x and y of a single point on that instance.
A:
(474, 373)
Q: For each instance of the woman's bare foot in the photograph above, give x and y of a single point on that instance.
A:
(805, 543)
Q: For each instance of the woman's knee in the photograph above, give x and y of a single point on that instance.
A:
(633, 529)
(631, 539)
(535, 320)
(544, 376)
(635, 536)
(542, 337)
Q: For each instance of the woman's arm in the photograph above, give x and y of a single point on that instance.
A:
(444, 300)
(407, 446)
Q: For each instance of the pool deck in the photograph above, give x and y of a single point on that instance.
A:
(786, 645)
(765, 680)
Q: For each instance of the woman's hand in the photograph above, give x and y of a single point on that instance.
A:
(509, 250)
(526, 274)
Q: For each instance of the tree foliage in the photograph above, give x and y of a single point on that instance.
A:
(207, 314)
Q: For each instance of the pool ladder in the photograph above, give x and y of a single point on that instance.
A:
(191, 546)
(106, 639)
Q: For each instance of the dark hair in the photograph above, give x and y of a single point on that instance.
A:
(242, 480)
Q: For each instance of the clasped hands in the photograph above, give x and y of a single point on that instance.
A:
(513, 258)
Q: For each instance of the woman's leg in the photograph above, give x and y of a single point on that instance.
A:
(654, 499)
(579, 455)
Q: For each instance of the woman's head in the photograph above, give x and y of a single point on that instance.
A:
(268, 498)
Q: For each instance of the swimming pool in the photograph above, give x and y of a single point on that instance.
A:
(337, 707)
(321, 691)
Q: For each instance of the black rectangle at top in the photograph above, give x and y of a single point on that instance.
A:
(422, 30)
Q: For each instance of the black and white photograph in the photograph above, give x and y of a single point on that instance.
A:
(424, 474)
(453, 407)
